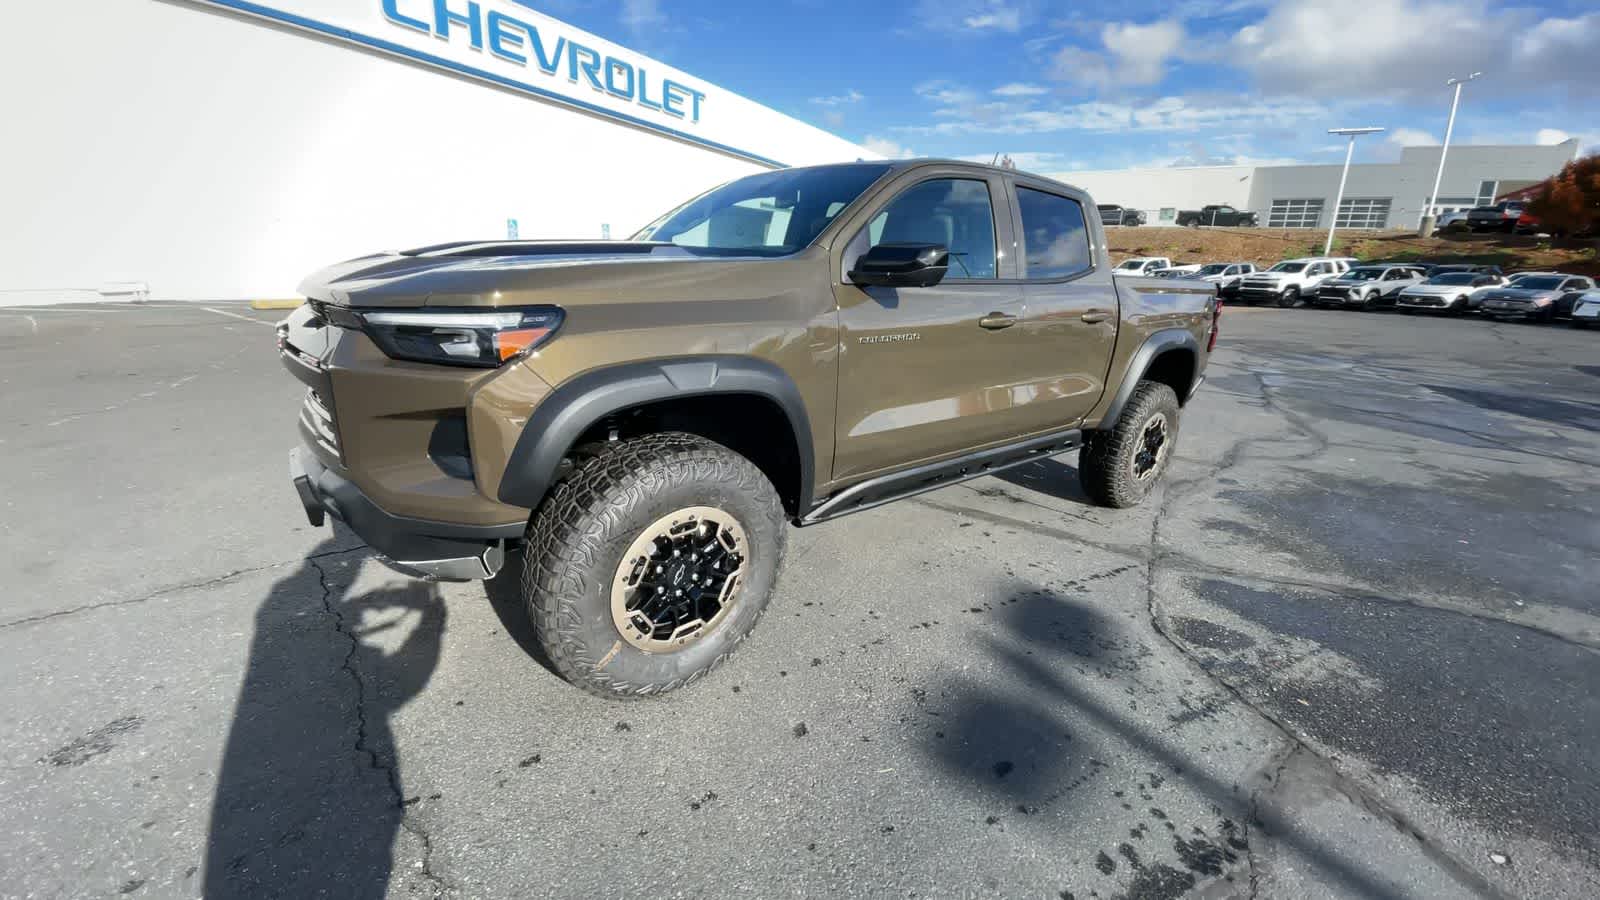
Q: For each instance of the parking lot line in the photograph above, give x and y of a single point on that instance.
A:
(223, 312)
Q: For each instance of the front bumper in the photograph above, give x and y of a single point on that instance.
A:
(1423, 301)
(1496, 309)
(436, 551)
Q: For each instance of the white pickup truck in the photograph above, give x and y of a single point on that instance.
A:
(1142, 265)
(1292, 280)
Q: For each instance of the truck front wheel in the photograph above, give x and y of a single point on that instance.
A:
(649, 563)
(1290, 297)
(1119, 467)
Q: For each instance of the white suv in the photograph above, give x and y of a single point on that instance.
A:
(1288, 282)
(1142, 265)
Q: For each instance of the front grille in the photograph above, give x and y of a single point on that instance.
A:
(1331, 293)
(317, 417)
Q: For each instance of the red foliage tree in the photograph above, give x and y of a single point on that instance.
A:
(1569, 202)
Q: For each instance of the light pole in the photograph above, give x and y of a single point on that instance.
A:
(1339, 200)
(1425, 227)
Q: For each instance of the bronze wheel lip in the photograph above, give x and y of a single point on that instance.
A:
(675, 532)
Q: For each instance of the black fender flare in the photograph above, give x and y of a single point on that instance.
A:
(1153, 346)
(580, 402)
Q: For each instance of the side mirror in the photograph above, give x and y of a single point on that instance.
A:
(902, 265)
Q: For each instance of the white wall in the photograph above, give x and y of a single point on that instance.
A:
(214, 156)
(1154, 189)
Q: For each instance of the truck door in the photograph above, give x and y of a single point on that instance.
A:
(929, 372)
(1070, 306)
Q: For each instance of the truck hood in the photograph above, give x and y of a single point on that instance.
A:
(512, 273)
(1440, 290)
(1519, 294)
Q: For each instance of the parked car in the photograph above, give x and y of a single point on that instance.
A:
(1586, 312)
(1541, 297)
(1226, 276)
(1515, 277)
(1368, 287)
(1452, 292)
(1440, 268)
(1287, 282)
(1111, 214)
(1500, 217)
(1142, 265)
(1217, 214)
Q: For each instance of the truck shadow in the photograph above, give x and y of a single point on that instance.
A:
(1050, 477)
(310, 797)
(505, 598)
(1055, 725)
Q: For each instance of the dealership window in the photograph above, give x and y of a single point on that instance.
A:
(1364, 212)
(1486, 191)
(953, 212)
(1297, 213)
(1055, 241)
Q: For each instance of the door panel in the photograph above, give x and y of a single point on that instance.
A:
(919, 377)
(1070, 305)
(930, 372)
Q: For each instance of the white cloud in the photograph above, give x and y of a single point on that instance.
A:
(1171, 113)
(1132, 55)
(1550, 136)
(995, 15)
(642, 15)
(1019, 89)
(1411, 137)
(848, 97)
(887, 148)
(1392, 49)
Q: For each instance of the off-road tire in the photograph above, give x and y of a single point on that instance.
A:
(1290, 297)
(1106, 462)
(576, 540)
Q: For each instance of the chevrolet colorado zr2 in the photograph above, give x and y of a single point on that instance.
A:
(642, 420)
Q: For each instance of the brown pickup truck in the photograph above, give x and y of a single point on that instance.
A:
(642, 420)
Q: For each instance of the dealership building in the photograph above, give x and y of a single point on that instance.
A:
(222, 149)
(1377, 195)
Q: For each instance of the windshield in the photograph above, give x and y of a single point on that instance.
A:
(1363, 275)
(1539, 283)
(771, 214)
(1522, 276)
(1287, 267)
(1454, 278)
(1213, 269)
(1132, 264)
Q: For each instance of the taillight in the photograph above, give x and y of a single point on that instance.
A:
(1216, 325)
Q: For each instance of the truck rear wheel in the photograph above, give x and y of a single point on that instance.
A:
(1119, 467)
(650, 563)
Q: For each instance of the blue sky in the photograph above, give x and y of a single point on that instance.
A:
(1063, 86)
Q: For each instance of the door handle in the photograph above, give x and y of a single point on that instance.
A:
(997, 320)
(1095, 315)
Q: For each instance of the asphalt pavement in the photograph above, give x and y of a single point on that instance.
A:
(1348, 650)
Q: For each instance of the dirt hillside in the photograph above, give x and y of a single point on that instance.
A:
(1265, 246)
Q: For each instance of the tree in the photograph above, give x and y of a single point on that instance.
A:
(1569, 201)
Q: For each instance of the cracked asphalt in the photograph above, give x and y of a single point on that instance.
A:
(1348, 650)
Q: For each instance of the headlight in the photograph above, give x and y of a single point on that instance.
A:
(460, 337)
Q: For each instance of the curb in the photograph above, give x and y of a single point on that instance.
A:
(274, 304)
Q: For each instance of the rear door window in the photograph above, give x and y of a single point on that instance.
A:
(1055, 241)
